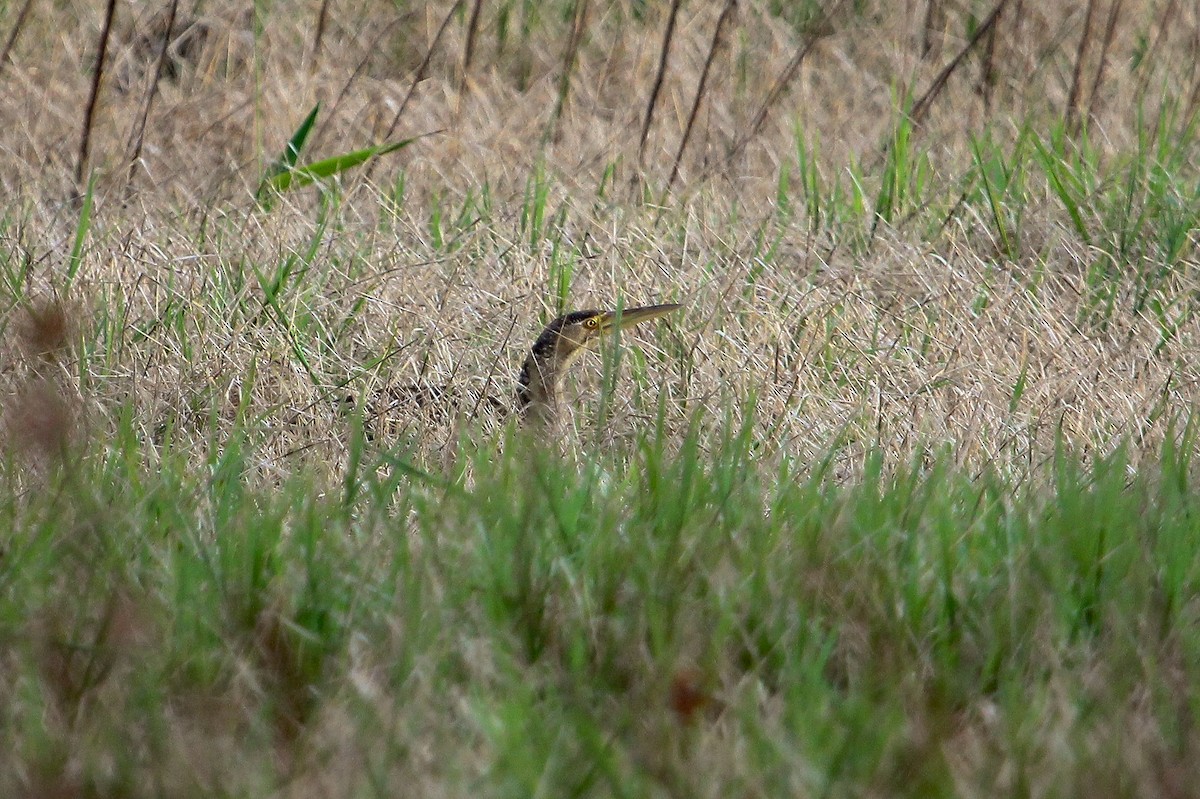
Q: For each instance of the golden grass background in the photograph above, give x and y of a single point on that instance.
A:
(915, 340)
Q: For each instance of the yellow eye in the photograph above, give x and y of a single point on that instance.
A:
(592, 323)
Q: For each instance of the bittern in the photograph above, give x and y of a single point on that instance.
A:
(561, 344)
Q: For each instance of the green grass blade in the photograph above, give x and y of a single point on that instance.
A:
(291, 153)
(75, 259)
(1065, 186)
(287, 160)
(306, 175)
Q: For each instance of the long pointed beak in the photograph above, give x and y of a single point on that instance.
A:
(635, 316)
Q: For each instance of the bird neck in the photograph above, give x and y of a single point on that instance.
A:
(537, 387)
(549, 359)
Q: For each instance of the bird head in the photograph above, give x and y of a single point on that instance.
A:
(578, 330)
(566, 338)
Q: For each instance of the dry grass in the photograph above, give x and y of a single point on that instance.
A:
(882, 345)
(200, 325)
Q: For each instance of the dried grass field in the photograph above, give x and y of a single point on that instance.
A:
(900, 503)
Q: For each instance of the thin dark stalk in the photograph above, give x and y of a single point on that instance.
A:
(1110, 30)
(658, 78)
(780, 86)
(6, 53)
(569, 58)
(1193, 103)
(137, 135)
(85, 139)
(933, 18)
(423, 69)
(1077, 73)
(1017, 36)
(319, 34)
(987, 75)
(726, 15)
(484, 395)
(469, 45)
(362, 65)
(1151, 58)
(921, 106)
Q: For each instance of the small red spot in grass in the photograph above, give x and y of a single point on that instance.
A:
(687, 695)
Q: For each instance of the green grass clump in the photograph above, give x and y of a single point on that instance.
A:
(686, 618)
(285, 174)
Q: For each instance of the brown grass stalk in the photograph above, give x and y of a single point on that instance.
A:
(668, 34)
(422, 69)
(1151, 57)
(6, 53)
(1017, 35)
(1077, 73)
(469, 45)
(319, 33)
(362, 65)
(987, 72)
(921, 106)
(579, 20)
(781, 83)
(85, 139)
(933, 19)
(722, 21)
(1193, 103)
(1110, 30)
(137, 135)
